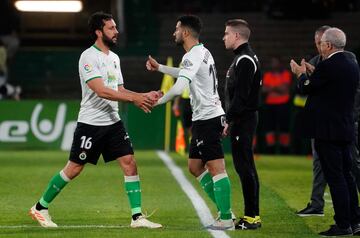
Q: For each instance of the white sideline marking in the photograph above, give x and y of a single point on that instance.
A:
(65, 226)
(199, 204)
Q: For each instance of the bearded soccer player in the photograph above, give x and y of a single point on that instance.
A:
(99, 129)
(206, 158)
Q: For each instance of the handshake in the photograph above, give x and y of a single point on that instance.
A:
(146, 101)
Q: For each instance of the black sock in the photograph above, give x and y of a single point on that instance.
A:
(40, 207)
(136, 216)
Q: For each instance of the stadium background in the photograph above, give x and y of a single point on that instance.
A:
(45, 66)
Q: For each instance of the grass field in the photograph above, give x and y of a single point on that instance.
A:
(97, 198)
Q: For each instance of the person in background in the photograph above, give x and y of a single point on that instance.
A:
(316, 206)
(276, 90)
(329, 120)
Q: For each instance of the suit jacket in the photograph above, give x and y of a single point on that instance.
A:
(330, 106)
(351, 56)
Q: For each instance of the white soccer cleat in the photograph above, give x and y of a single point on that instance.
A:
(222, 225)
(42, 217)
(141, 221)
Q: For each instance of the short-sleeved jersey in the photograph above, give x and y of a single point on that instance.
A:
(198, 66)
(93, 64)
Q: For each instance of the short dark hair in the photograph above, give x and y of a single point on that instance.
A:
(193, 23)
(241, 26)
(97, 22)
(322, 29)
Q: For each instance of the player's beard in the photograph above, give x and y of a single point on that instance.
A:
(109, 42)
(179, 41)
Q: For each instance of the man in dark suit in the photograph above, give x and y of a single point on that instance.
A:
(329, 120)
(316, 206)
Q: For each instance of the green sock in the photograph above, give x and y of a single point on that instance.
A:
(207, 184)
(133, 191)
(54, 187)
(222, 193)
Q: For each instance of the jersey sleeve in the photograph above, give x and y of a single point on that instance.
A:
(88, 68)
(190, 65)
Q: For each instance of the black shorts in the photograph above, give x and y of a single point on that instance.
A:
(206, 139)
(90, 141)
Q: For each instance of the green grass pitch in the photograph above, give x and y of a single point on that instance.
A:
(96, 198)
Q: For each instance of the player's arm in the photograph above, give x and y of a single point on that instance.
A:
(153, 65)
(152, 95)
(175, 90)
(138, 99)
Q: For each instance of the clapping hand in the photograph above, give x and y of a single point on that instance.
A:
(298, 69)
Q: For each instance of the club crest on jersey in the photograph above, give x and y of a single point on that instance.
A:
(186, 63)
(83, 155)
(115, 65)
(87, 68)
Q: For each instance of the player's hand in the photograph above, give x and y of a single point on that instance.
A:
(143, 102)
(154, 95)
(152, 64)
(225, 131)
(176, 110)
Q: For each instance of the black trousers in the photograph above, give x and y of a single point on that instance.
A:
(319, 182)
(241, 134)
(336, 163)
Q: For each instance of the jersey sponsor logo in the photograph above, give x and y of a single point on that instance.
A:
(110, 78)
(87, 68)
(186, 63)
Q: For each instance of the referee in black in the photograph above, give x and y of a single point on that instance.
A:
(242, 87)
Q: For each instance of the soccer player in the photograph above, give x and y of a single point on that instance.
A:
(206, 157)
(99, 129)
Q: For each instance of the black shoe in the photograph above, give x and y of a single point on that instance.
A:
(356, 229)
(310, 211)
(337, 231)
(242, 224)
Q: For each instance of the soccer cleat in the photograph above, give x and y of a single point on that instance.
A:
(337, 231)
(233, 217)
(42, 217)
(258, 221)
(248, 223)
(222, 225)
(356, 229)
(310, 211)
(141, 221)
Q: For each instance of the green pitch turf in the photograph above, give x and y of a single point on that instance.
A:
(96, 198)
